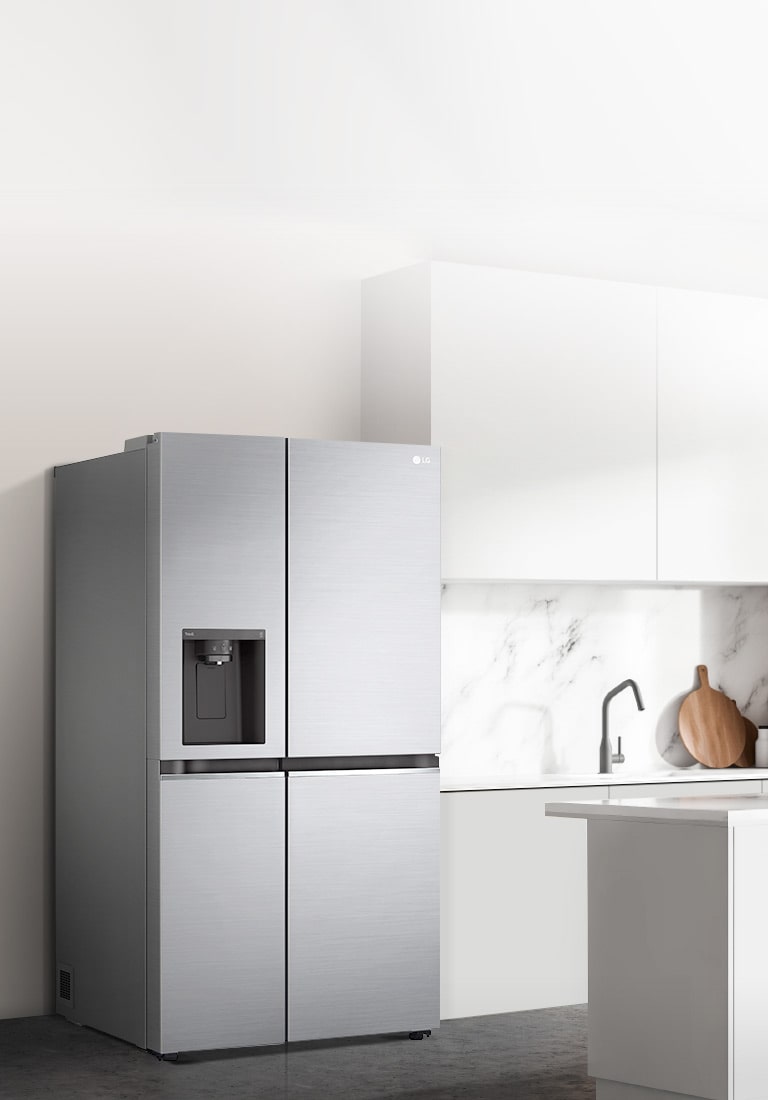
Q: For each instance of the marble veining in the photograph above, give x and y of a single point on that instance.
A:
(525, 669)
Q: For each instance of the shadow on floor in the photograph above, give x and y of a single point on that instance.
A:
(517, 1056)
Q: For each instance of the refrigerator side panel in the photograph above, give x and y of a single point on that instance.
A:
(363, 903)
(154, 666)
(222, 911)
(363, 599)
(100, 744)
(220, 508)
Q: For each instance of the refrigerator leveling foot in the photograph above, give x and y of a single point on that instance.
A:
(419, 1034)
(175, 1057)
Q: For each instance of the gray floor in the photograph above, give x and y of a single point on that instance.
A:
(517, 1056)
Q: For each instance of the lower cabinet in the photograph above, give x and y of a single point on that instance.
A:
(513, 902)
(514, 894)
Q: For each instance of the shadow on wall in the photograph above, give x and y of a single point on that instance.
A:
(26, 744)
(734, 630)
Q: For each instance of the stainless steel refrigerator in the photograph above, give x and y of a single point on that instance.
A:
(247, 723)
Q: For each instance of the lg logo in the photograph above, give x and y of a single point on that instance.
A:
(419, 459)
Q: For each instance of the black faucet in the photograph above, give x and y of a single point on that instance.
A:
(608, 758)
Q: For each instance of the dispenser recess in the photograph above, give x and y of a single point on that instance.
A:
(224, 692)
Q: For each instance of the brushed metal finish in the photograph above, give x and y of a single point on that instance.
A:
(221, 543)
(363, 904)
(364, 599)
(100, 740)
(222, 911)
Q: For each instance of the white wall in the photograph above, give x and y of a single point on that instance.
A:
(614, 138)
(191, 190)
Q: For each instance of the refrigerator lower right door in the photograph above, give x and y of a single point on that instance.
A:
(363, 903)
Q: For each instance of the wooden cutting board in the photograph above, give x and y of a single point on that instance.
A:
(747, 758)
(710, 725)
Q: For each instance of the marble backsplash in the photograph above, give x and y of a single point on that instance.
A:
(526, 667)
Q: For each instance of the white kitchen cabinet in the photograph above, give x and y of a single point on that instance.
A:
(513, 928)
(541, 392)
(678, 985)
(713, 378)
(513, 910)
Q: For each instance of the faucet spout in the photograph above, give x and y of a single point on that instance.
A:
(607, 757)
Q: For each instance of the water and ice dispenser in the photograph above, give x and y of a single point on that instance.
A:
(224, 694)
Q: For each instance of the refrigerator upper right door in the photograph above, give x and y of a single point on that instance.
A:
(363, 599)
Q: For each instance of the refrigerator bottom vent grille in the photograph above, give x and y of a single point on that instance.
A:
(65, 984)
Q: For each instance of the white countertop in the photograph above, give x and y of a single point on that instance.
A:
(722, 810)
(695, 774)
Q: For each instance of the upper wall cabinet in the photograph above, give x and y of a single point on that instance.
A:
(541, 391)
(713, 381)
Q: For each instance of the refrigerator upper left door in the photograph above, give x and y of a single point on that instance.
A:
(216, 534)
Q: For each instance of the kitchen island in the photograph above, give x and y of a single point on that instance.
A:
(678, 946)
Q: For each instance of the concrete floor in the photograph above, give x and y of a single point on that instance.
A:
(538, 1055)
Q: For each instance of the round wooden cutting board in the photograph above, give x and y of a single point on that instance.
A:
(710, 725)
(747, 758)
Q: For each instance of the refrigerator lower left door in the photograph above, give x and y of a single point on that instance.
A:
(222, 911)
